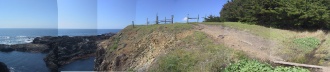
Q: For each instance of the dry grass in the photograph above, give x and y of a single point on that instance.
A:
(323, 52)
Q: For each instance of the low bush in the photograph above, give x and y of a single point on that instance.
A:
(307, 44)
(290, 69)
(115, 44)
(246, 65)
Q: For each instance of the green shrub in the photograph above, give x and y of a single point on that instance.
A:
(246, 65)
(177, 61)
(114, 46)
(307, 44)
(290, 69)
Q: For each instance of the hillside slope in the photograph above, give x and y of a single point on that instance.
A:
(153, 48)
(201, 47)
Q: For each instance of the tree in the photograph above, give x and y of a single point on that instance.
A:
(212, 19)
(279, 13)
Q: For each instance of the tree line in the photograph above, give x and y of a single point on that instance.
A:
(277, 13)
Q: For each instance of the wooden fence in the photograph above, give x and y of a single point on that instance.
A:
(192, 18)
(168, 20)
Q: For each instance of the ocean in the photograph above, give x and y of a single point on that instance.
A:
(33, 62)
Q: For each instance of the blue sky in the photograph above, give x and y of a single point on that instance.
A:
(28, 14)
(99, 14)
(77, 14)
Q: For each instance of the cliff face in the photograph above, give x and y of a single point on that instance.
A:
(138, 48)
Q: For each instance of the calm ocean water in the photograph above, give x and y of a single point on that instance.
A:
(33, 62)
(19, 36)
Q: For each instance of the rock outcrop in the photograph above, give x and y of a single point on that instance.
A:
(135, 49)
(66, 49)
(24, 47)
(62, 49)
(3, 67)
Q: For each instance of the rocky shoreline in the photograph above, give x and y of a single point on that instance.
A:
(61, 49)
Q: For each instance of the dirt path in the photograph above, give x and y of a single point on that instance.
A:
(255, 46)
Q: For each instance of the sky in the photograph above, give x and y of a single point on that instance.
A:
(28, 14)
(77, 14)
(99, 14)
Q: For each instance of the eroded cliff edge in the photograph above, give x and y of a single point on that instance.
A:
(137, 49)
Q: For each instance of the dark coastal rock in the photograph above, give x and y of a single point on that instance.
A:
(6, 48)
(100, 54)
(65, 49)
(3, 67)
(61, 49)
(23, 47)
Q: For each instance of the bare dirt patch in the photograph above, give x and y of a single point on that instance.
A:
(254, 46)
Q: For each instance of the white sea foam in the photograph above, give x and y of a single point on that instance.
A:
(16, 39)
(12, 69)
(21, 36)
(4, 37)
(28, 40)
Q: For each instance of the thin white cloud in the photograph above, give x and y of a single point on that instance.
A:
(185, 19)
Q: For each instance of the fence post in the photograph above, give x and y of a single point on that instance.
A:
(157, 19)
(133, 23)
(198, 18)
(188, 19)
(172, 19)
(165, 20)
(147, 22)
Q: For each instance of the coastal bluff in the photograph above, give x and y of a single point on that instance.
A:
(138, 48)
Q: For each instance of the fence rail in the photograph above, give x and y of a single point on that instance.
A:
(166, 20)
(192, 18)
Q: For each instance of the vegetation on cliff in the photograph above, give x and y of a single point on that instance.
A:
(136, 48)
(198, 53)
(256, 66)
